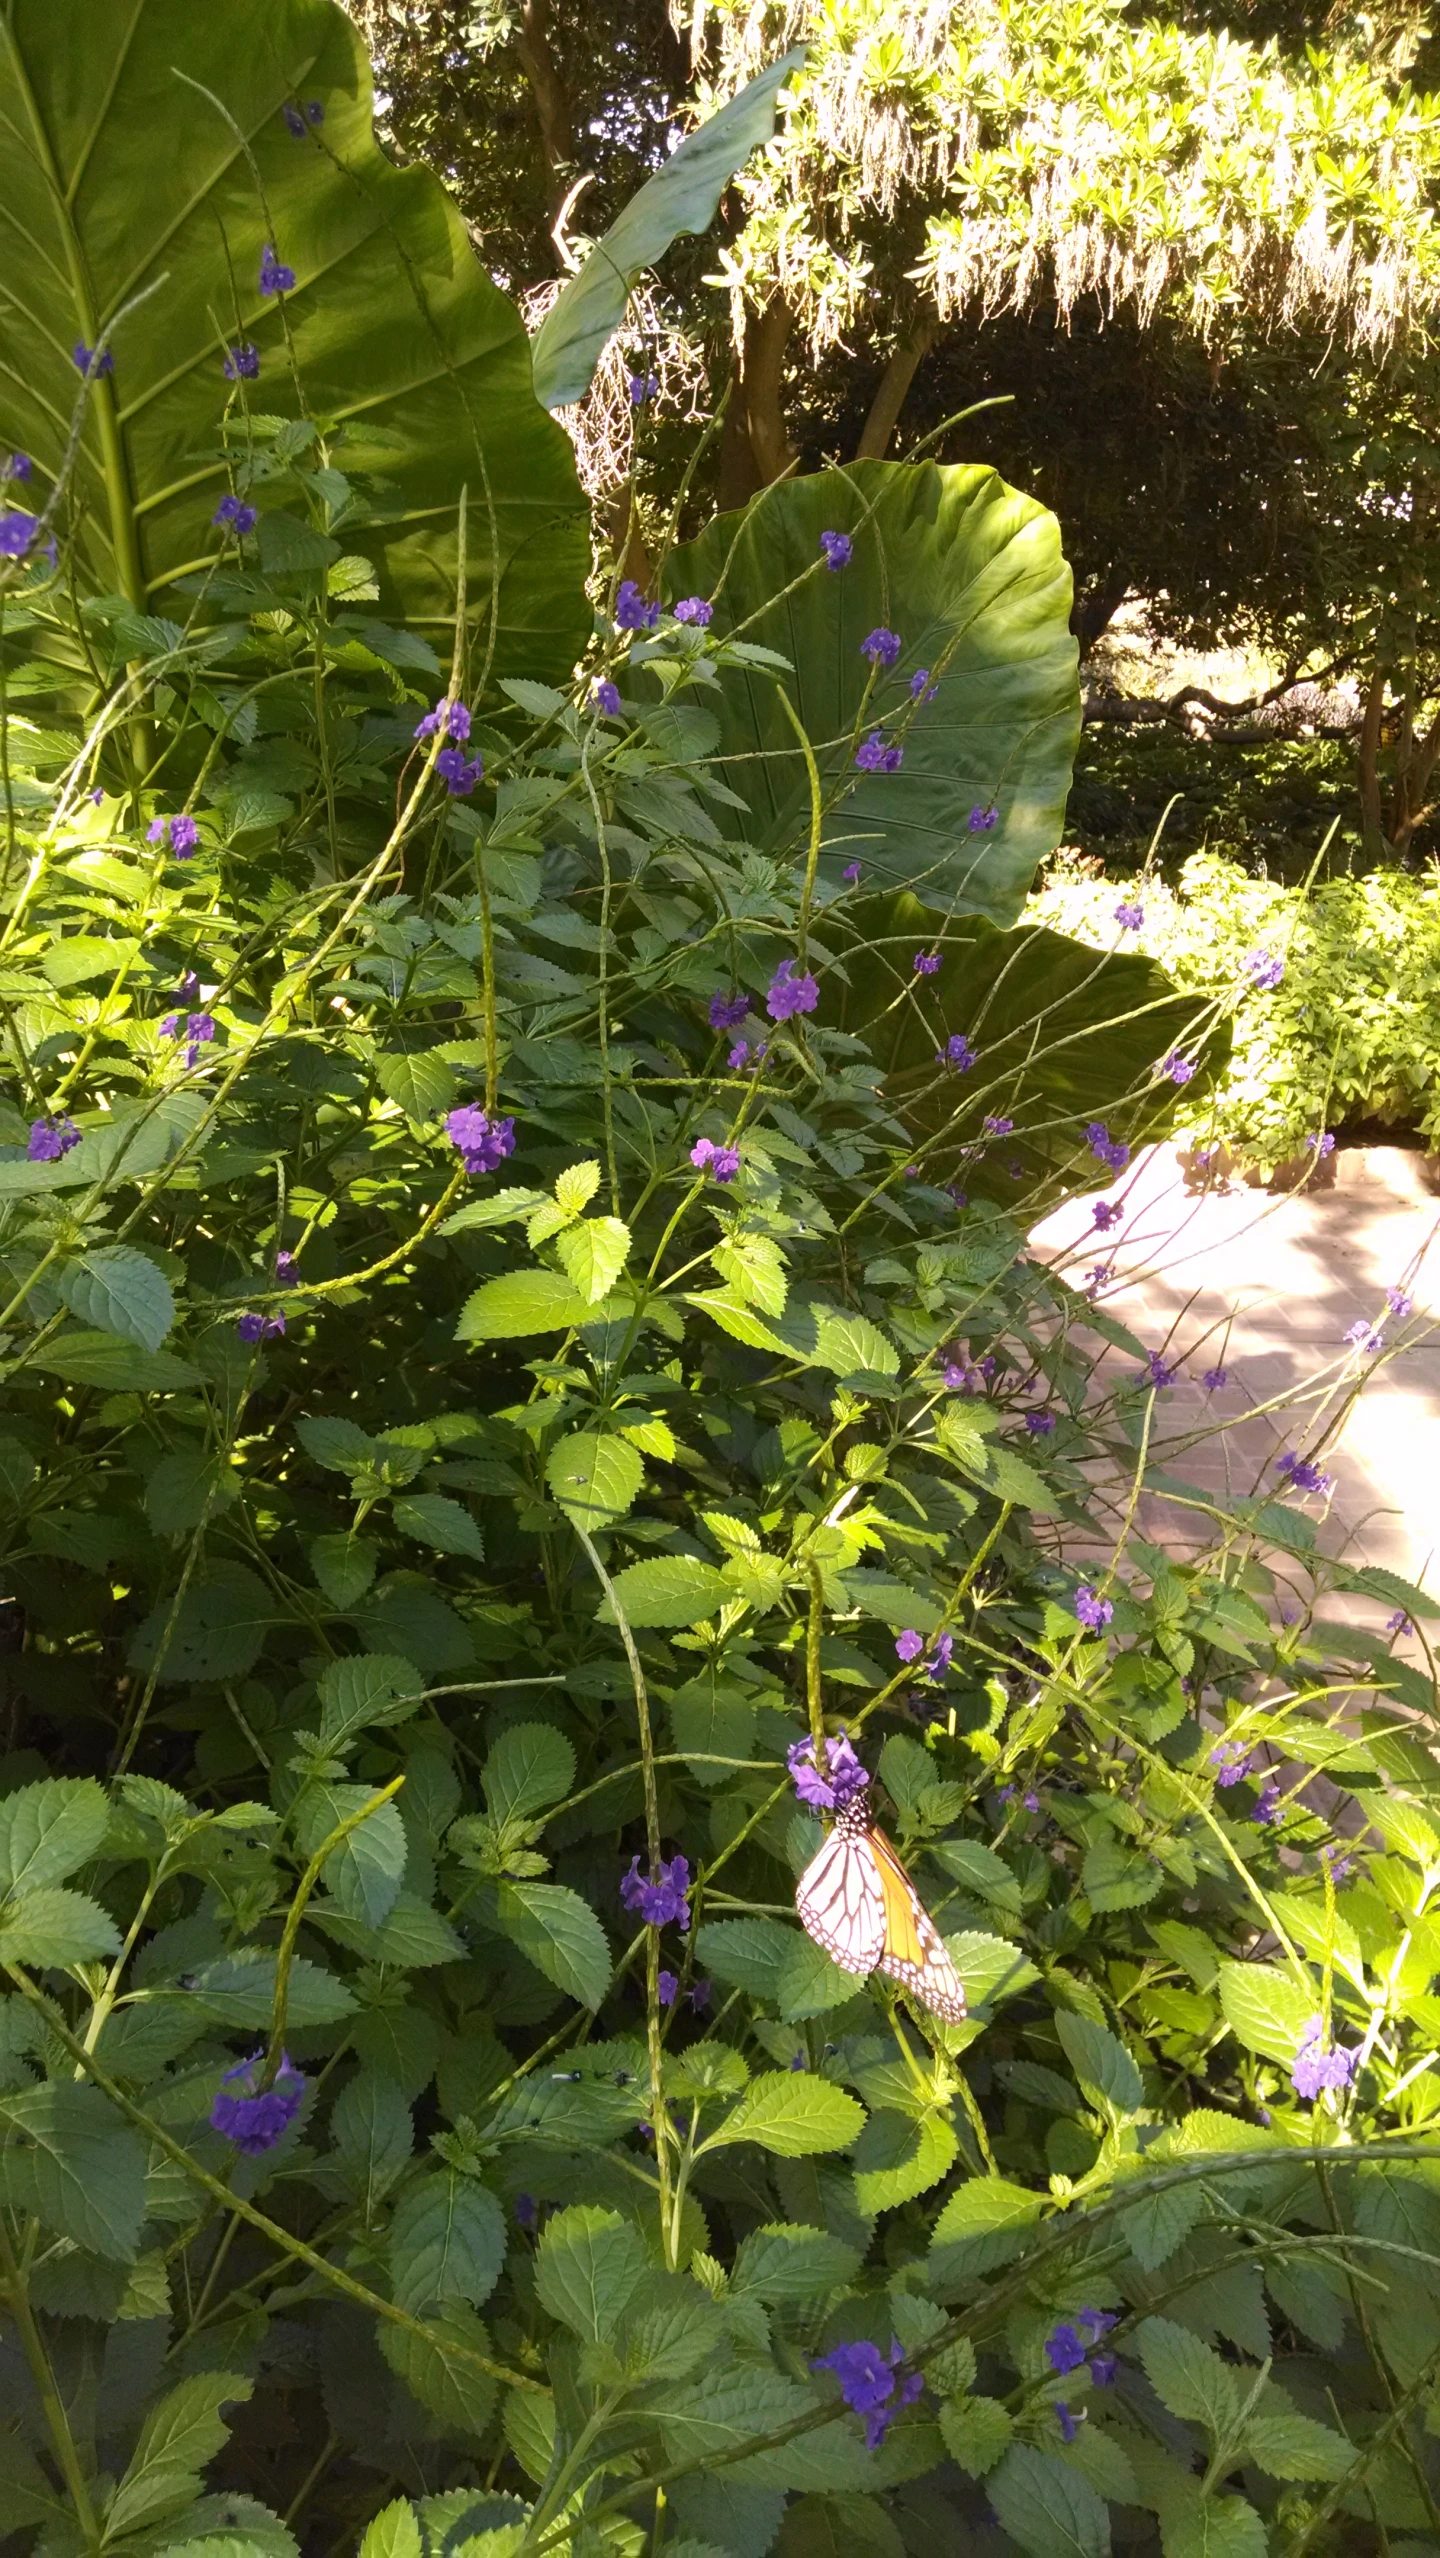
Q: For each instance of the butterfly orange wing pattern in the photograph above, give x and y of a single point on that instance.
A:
(857, 1901)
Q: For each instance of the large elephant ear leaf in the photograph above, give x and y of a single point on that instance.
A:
(681, 197)
(152, 152)
(1034, 1033)
(969, 574)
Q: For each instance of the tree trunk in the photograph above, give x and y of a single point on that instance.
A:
(754, 447)
(737, 479)
(1371, 819)
(894, 383)
(1092, 613)
(552, 105)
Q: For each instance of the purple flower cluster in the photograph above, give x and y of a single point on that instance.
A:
(483, 1143)
(998, 1127)
(1318, 2065)
(1267, 1803)
(242, 363)
(1399, 1302)
(910, 1645)
(1232, 1762)
(728, 1011)
(632, 613)
(921, 688)
(1040, 1423)
(256, 2121)
(1399, 1623)
(1301, 1475)
(867, 2385)
(459, 772)
(1156, 1373)
(254, 1328)
(197, 1028)
(983, 821)
(957, 1052)
(1073, 2345)
(1129, 916)
(1108, 1150)
(1178, 1068)
(1362, 1336)
(86, 361)
(1090, 1609)
(179, 835)
(721, 1162)
(18, 467)
(275, 278)
(642, 387)
(882, 647)
(17, 532)
(1320, 1146)
(791, 993)
(838, 549)
(693, 608)
(845, 1775)
(927, 963)
(286, 1274)
(872, 755)
(1265, 969)
(698, 1993)
(606, 697)
(50, 1139)
(234, 516)
(1106, 1213)
(453, 717)
(1030, 1799)
(661, 1901)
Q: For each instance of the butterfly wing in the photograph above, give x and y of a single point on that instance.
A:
(841, 1900)
(913, 1952)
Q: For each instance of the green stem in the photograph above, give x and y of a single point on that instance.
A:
(817, 820)
(52, 2405)
(284, 1960)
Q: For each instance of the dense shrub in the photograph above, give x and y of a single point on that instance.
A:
(1350, 1028)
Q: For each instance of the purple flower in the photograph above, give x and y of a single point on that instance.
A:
(1100, 1277)
(1064, 2350)
(170, 1026)
(1320, 2065)
(1399, 1303)
(927, 963)
(739, 1056)
(882, 647)
(1178, 1068)
(287, 1276)
(526, 2211)
(458, 775)
(867, 2383)
(17, 532)
(659, 1902)
(642, 387)
(983, 821)
(693, 608)
(1103, 2369)
(1108, 1150)
(1301, 1475)
(1069, 2425)
(1364, 1338)
(998, 1127)
(727, 1010)
(1265, 970)
(910, 1172)
(1320, 1146)
(1106, 1213)
(957, 1052)
(938, 1664)
(1399, 1623)
(791, 994)
(483, 1143)
(294, 121)
(1232, 1762)
(181, 834)
(667, 1984)
(198, 1028)
(50, 1139)
(1267, 1804)
(632, 613)
(236, 516)
(1129, 915)
(699, 1995)
(1041, 1423)
(851, 871)
(86, 360)
(1156, 1371)
(241, 364)
(845, 1774)
(1338, 1862)
(957, 1377)
(1214, 1378)
(1031, 1800)
(871, 752)
(275, 278)
(19, 467)
(909, 1645)
(254, 1328)
(1092, 1611)
(188, 988)
(721, 1162)
(892, 759)
(457, 722)
(256, 2122)
(921, 688)
(837, 548)
(606, 697)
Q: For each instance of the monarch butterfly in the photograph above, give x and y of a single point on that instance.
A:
(856, 1899)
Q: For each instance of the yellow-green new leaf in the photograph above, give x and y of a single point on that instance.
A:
(594, 1253)
(793, 2115)
(594, 1478)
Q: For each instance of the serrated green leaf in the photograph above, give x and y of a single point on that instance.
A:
(373, 2136)
(671, 1590)
(176, 2441)
(447, 2242)
(897, 2158)
(365, 1691)
(983, 2225)
(433, 1519)
(48, 1830)
(187, 1486)
(1187, 2375)
(595, 1479)
(1117, 1877)
(978, 2432)
(1220, 2527)
(119, 1367)
(438, 2375)
(1267, 2008)
(1102, 2065)
(56, 1926)
(216, 1633)
(530, 1766)
(117, 1289)
(421, 1083)
(1288, 2445)
(788, 2261)
(791, 2114)
(593, 1255)
(521, 1302)
(344, 1567)
(1046, 2508)
(364, 1870)
(69, 2158)
(560, 1934)
(341, 1446)
(588, 2267)
(394, 2533)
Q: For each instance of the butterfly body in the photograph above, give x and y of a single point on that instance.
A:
(857, 1901)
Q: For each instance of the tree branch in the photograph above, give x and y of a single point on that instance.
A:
(552, 104)
(895, 381)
